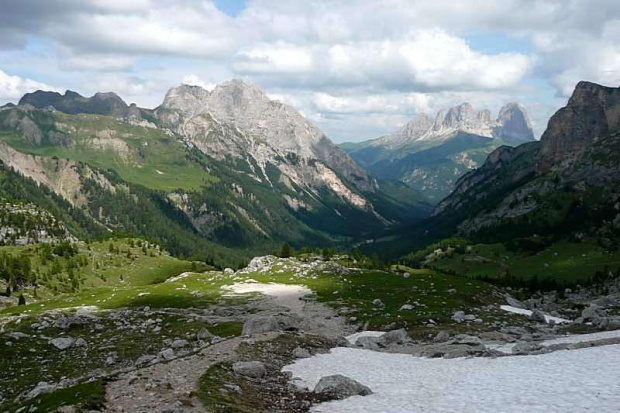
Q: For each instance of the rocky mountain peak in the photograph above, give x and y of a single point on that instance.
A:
(248, 109)
(109, 104)
(593, 111)
(513, 124)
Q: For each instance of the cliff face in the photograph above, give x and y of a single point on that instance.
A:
(592, 112)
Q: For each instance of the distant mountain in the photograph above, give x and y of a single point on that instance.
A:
(229, 167)
(568, 184)
(431, 154)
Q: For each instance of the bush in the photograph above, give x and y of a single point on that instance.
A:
(21, 300)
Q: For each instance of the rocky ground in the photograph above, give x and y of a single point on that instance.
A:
(230, 356)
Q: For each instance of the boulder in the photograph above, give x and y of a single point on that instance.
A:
(42, 388)
(204, 334)
(179, 343)
(514, 302)
(527, 348)
(253, 369)
(467, 340)
(395, 337)
(592, 312)
(458, 316)
(229, 271)
(405, 307)
(378, 303)
(144, 360)
(259, 324)
(167, 354)
(301, 353)
(340, 387)
(80, 342)
(538, 316)
(62, 343)
(441, 337)
(369, 343)
(65, 322)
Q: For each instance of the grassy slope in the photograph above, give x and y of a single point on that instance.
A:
(566, 263)
(151, 158)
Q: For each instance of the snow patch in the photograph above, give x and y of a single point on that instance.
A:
(584, 380)
(548, 318)
(572, 339)
(286, 295)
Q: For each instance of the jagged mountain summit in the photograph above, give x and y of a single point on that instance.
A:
(229, 166)
(430, 154)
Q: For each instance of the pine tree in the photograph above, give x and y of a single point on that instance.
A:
(287, 251)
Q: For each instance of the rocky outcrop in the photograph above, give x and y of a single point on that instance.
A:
(592, 112)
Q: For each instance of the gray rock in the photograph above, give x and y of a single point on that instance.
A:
(378, 303)
(80, 342)
(179, 344)
(259, 324)
(537, 316)
(441, 337)
(340, 387)
(395, 336)
(405, 307)
(467, 340)
(456, 353)
(253, 369)
(42, 388)
(592, 312)
(369, 343)
(167, 354)
(458, 316)
(527, 348)
(204, 334)
(144, 360)
(514, 302)
(301, 353)
(65, 322)
(62, 343)
(229, 271)
(605, 302)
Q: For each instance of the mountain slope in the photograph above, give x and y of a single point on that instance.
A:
(430, 155)
(230, 167)
(568, 184)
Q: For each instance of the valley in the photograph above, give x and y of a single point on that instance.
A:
(221, 253)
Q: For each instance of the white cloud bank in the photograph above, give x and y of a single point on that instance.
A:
(14, 87)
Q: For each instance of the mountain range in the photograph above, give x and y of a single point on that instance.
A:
(430, 154)
(228, 167)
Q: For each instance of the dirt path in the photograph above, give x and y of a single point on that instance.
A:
(171, 386)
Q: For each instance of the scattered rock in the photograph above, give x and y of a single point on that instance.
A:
(301, 353)
(62, 343)
(144, 360)
(441, 337)
(254, 369)
(378, 303)
(179, 343)
(514, 302)
(340, 387)
(42, 388)
(467, 340)
(167, 354)
(259, 324)
(80, 342)
(395, 336)
(537, 316)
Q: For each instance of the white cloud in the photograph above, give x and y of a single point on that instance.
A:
(14, 87)
(423, 60)
(195, 80)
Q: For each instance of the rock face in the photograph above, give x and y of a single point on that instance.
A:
(430, 155)
(341, 387)
(592, 112)
(268, 128)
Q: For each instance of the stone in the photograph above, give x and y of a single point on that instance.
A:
(537, 316)
(253, 369)
(229, 271)
(340, 387)
(144, 360)
(378, 303)
(441, 337)
(301, 353)
(527, 348)
(458, 316)
(467, 340)
(592, 312)
(470, 317)
(65, 323)
(259, 324)
(167, 354)
(406, 275)
(204, 334)
(514, 302)
(405, 307)
(179, 343)
(42, 388)
(395, 337)
(369, 343)
(80, 342)
(62, 343)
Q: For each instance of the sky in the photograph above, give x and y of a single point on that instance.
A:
(358, 69)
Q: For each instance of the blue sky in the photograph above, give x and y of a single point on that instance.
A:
(358, 69)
